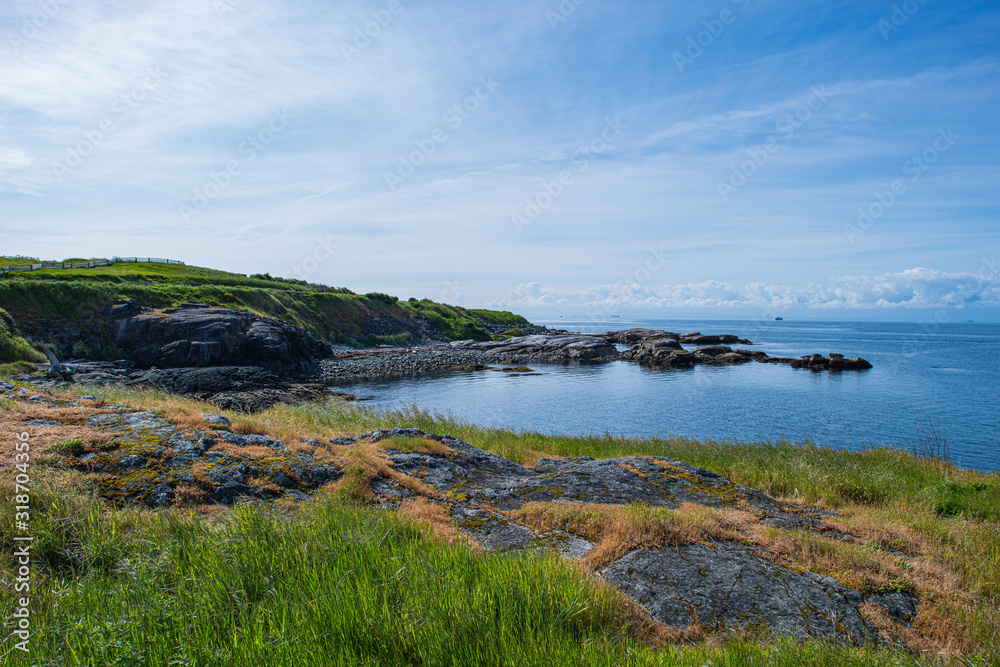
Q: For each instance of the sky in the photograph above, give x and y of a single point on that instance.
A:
(641, 158)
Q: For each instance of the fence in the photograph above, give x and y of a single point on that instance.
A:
(86, 265)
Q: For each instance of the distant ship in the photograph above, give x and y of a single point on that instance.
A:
(620, 316)
(779, 318)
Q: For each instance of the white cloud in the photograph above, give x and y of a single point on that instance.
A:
(914, 288)
(15, 158)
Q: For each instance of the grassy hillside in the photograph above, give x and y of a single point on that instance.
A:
(337, 315)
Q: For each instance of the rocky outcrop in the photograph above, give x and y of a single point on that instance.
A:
(667, 352)
(551, 348)
(247, 389)
(634, 336)
(832, 362)
(194, 335)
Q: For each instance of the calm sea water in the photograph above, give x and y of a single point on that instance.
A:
(946, 374)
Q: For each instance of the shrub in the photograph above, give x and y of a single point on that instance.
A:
(379, 296)
(12, 346)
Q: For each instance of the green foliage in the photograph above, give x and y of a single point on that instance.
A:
(12, 346)
(975, 500)
(498, 316)
(17, 260)
(396, 340)
(384, 298)
(72, 447)
(455, 323)
(106, 352)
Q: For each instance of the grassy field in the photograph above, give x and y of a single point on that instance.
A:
(341, 582)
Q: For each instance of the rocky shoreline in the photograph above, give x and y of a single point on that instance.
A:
(242, 361)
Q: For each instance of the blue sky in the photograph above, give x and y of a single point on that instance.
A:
(583, 156)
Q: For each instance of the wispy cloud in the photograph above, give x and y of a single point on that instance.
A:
(67, 88)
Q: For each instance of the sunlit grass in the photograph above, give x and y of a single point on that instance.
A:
(339, 581)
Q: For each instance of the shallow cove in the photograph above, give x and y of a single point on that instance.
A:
(947, 373)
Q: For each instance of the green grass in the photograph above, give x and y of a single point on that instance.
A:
(13, 347)
(499, 316)
(327, 584)
(17, 368)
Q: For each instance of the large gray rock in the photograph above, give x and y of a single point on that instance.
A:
(724, 586)
(197, 336)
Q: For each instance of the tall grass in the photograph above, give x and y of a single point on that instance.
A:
(328, 584)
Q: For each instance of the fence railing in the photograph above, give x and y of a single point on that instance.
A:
(86, 265)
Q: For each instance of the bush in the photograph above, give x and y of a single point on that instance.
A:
(379, 296)
(12, 346)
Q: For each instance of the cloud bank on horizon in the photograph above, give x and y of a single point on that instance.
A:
(524, 153)
(914, 288)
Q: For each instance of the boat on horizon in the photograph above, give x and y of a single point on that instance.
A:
(779, 318)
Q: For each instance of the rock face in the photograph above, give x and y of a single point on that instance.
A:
(194, 335)
(553, 348)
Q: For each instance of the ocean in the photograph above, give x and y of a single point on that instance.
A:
(940, 377)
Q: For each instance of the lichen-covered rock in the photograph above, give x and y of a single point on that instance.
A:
(149, 457)
(725, 586)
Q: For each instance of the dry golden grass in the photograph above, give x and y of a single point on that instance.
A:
(912, 639)
(433, 515)
(199, 473)
(189, 496)
(617, 530)
(244, 427)
(427, 446)
(72, 426)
